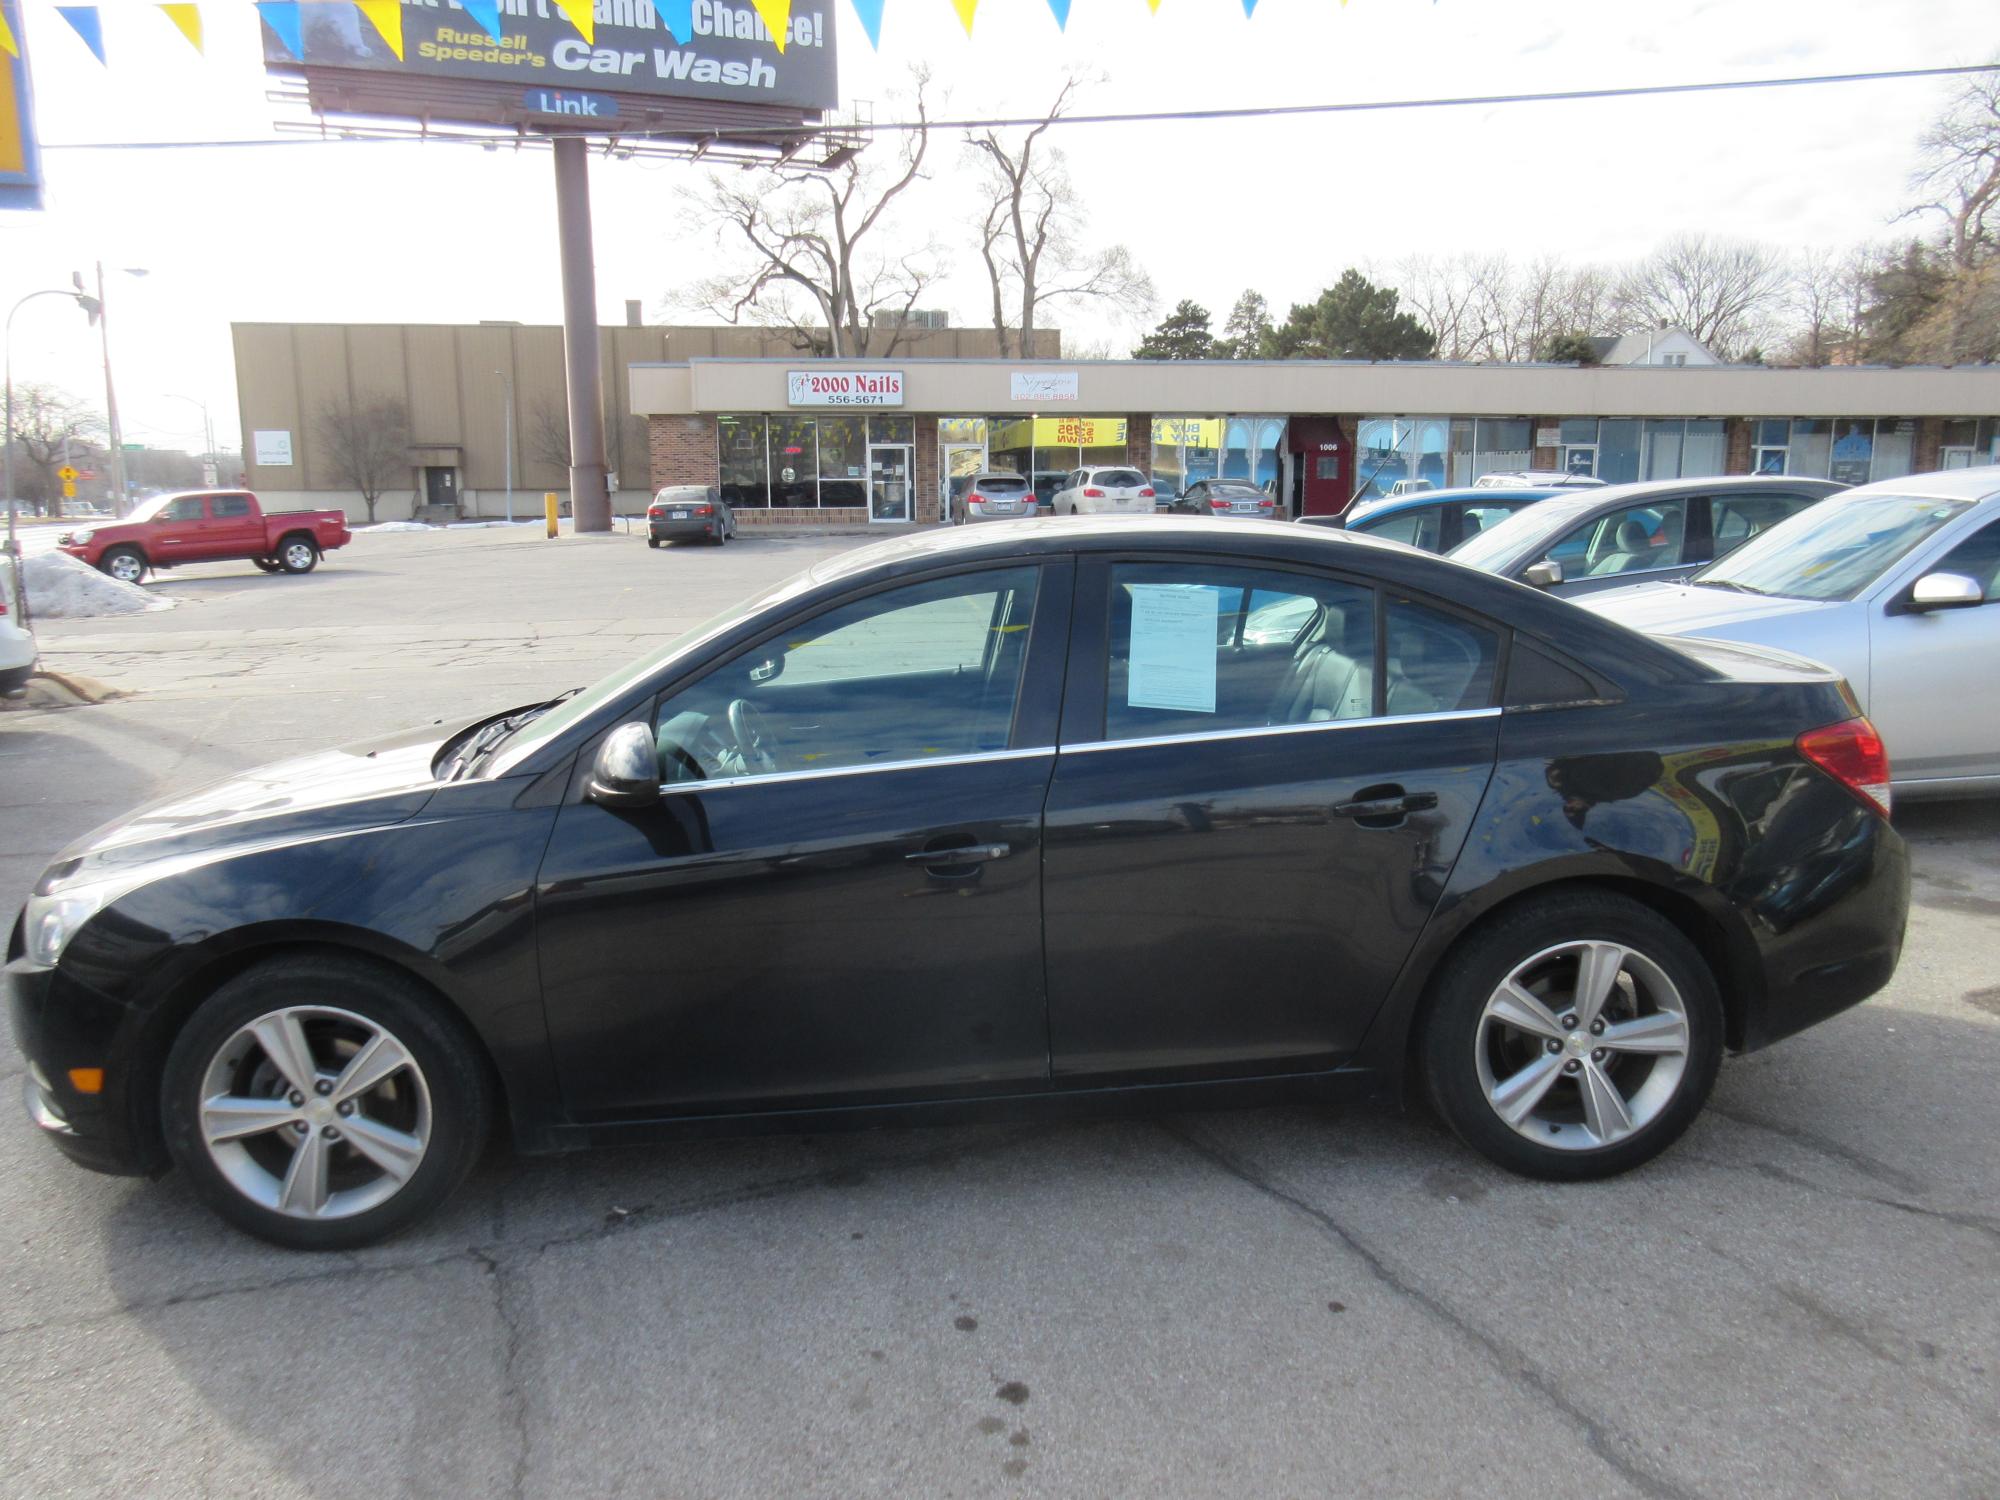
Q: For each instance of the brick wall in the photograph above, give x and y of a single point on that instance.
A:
(776, 518)
(1930, 437)
(1139, 442)
(1737, 435)
(682, 450)
(926, 464)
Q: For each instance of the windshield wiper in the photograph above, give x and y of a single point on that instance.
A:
(485, 741)
(1731, 584)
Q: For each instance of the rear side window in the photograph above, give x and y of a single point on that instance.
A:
(1734, 519)
(1418, 527)
(222, 507)
(1437, 662)
(1534, 678)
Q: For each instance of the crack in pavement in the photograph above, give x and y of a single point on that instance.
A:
(1511, 1362)
(1866, 1165)
(513, 1395)
(1983, 1224)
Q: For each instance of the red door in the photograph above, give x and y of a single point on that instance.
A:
(1325, 464)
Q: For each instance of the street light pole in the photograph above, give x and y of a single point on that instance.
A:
(508, 377)
(120, 499)
(207, 437)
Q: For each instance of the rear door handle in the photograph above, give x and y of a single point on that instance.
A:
(968, 854)
(1387, 807)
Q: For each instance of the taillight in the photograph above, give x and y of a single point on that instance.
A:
(1093, 494)
(1218, 503)
(655, 513)
(1146, 493)
(701, 510)
(1851, 753)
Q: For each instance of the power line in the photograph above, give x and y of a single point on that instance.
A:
(1169, 116)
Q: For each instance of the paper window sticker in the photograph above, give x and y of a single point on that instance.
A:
(1173, 652)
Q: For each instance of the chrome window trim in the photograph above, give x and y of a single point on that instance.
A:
(1451, 716)
(767, 777)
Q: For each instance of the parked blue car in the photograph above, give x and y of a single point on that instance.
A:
(1436, 520)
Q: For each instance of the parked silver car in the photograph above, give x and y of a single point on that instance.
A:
(994, 496)
(1627, 533)
(1896, 585)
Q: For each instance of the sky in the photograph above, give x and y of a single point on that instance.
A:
(444, 233)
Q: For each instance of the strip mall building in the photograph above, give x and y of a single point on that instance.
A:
(872, 443)
(794, 441)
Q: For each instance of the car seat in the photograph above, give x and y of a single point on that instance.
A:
(1634, 550)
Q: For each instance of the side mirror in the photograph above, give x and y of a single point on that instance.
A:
(627, 770)
(1545, 574)
(1946, 591)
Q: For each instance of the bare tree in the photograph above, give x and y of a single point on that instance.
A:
(51, 425)
(1961, 172)
(368, 443)
(1460, 299)
(547, 435)
(1721, 291)
(1826, 299)
(1030, 236)
(808, 240)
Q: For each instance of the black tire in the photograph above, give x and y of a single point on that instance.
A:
(1450, 1040)
(110, 563)
(652, 541)
(266, 564)
(297, 554)
(444, 1053)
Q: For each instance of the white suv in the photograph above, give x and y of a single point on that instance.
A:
(1104, 492)
(17, 647)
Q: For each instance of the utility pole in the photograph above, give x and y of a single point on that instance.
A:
(508, 377)
(120, 499)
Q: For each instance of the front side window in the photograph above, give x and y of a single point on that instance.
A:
(1633, 540)
(1476, 517)
(187, 508)
(916, 673)
(1977, 558)
(1418, 527)
(1737, 518)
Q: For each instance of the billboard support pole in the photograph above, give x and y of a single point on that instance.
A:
(590, 499)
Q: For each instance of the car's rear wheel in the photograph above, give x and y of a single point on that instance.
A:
(126, 564)
(1575, 1037)
(297, 555)
(322, 1103)
(652, 541)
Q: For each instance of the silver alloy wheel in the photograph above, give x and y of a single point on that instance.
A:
(298, 556)
(126, 568)
(1582, 1045)
(315, 1112)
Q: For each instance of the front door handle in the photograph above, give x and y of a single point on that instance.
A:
(1391, 803)
(967, 854)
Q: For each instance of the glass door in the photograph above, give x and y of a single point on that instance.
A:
(889, 483)
(958, 463)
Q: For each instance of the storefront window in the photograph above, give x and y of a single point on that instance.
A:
(1405, 451)
(843, 460)
(1812, 448)
(1704, 448)
(794, 461)
(1618, 450)
(1853, 450)
(1663, 450)
(1250, 448)
(746, 474)
(1895, 448)
(891, 429)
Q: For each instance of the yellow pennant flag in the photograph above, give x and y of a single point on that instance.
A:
(582, 16)
(188, 19)
(386, 16)
(965, 8)
(777, 18)
(7, 43)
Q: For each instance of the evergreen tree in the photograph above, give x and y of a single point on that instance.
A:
(1182, 334)
(1352, 319)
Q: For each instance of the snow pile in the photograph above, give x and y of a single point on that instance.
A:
(397, 526)
(62, 588)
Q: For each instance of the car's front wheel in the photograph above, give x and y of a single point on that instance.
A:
(1575, 1037)
(323, 1103)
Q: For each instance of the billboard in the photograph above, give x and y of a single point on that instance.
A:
(20, 162)
(537, 54)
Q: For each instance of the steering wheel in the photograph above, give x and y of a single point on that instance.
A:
(752, 732)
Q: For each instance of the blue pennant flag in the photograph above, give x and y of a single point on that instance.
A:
(282, 16)
(678, 17)
(486, 13)
(870, 12)
(1249, 8)
(83, 20)
(1061, 8)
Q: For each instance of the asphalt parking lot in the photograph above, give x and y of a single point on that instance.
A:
(1800, 1299)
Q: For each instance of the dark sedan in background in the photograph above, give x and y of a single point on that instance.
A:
(1238, 498)
(1655, 532)
(960, 824)
(686, 512)
(1433, 522)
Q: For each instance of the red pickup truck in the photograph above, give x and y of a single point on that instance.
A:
(207, 526)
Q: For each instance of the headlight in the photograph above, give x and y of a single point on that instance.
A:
(54, 920)
(78, 538)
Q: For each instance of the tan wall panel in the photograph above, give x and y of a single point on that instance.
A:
(375, 362)
(321, 352)
(483, 353)
(267, 399)
(432, 357)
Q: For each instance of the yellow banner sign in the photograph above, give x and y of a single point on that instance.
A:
(1190, 432)
(1060, 432)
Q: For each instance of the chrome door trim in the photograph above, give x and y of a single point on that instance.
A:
(767, 778)
(1451, 716)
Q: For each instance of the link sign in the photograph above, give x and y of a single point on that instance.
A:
(844, 388)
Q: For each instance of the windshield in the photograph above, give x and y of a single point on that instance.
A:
(580, 706)
(1527, 533)
(1835, 549)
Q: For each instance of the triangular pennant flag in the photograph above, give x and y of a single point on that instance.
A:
(1249, 8)
(386, 16)
(678, 17)
(84, 21)
(582, 16)
(7, 43)
(870, 12)
(282, 16)
(487, 14)
(777, 18)
(965, 8)
(188, 19)
(1153, 6)
(1061, 8)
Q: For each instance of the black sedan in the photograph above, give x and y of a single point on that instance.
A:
(683, 512)
(1000, 818)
